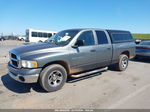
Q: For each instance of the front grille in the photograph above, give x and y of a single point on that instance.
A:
(13, 56)
(13, 60)
(15, 63)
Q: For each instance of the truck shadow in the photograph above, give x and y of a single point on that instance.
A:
(141, 60)
(18, 87)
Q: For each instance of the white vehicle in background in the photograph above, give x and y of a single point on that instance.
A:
(38, 35)
(22, 38)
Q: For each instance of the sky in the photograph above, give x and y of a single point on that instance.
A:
(55, 15)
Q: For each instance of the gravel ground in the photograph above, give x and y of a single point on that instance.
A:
(108, 90)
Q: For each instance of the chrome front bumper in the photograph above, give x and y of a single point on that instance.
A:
(24, 75)
(25, 78)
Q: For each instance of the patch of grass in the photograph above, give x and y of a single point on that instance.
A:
(141, 36)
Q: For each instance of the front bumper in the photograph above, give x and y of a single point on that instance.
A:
(25, 78)
(24, 75)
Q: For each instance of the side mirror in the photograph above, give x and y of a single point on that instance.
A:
(78, 43)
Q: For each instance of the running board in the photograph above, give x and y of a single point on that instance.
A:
(90, 72)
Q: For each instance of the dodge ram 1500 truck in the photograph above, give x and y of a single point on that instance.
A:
(73, 52)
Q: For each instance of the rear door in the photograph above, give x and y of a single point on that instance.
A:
(103, 48)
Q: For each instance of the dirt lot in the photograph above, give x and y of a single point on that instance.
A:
(111, 89)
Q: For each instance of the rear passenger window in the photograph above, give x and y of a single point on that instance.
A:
(88, 38)
(102, 38)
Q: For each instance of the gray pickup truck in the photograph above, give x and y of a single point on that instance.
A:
(73, 52)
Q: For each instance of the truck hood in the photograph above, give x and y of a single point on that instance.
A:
(33, 49)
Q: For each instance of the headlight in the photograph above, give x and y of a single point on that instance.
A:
(29, 64)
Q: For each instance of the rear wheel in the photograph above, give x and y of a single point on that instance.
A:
(53, 77)
(123, 62)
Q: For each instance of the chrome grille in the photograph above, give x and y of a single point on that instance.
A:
(13, 56)
(13, 60)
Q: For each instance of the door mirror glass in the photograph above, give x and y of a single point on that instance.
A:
(78, 43)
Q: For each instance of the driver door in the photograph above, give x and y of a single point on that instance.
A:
(84, 57)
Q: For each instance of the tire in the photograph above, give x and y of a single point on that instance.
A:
(22, 39)
(123, 63)
(53, 77)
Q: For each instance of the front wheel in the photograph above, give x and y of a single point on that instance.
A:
(123, 62)
(53, 77)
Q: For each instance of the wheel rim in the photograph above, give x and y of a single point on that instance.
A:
(55, 78)
(124, 62)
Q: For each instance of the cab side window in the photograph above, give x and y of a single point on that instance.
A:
(101, 37)
(88, 38)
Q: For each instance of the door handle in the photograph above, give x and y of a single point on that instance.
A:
(93, 50)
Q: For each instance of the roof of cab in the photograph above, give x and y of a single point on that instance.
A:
(108, 30)
(117, 31)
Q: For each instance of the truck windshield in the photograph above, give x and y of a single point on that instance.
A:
(63, 38)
